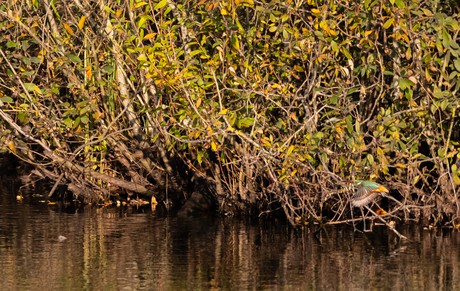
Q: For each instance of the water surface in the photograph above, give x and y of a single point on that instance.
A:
(130, 248)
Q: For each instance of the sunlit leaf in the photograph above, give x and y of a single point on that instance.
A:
(346, 53)
(81, 23)
(161, 4)
(140, 4)
(12, 147)
(150, 35)
(235, 42)
(457, 180)
(388, 23)
(68, 28)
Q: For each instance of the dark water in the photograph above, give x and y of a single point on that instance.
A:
(139, 249)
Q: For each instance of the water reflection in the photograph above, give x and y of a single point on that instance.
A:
(138, 249)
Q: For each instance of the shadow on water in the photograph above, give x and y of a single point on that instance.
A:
(141, 249)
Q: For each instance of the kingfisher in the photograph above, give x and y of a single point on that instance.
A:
(366, 192)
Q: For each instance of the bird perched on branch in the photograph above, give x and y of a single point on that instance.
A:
(365, 193)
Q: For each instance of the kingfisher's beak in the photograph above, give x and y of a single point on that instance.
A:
(382, 189)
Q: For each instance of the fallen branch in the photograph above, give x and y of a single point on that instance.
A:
(387, 224)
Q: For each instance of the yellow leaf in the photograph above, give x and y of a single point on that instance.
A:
(150, 35)
(401, 165)
(289, 151)
(223, 112)
(213, 146)
(456, 180)
(299, 68)
(388, 23)
(81, 23)
(338, 128)
(68, 28)
(224, 12)
(140, 4)
(37, 89)
(367, 32)
(118, 13)
(11, 146)
(315, 11)
(427, 74)
(198, 103)
(276, 86)
(89, 71)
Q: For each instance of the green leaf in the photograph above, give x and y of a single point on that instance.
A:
(36, 60)
(28, 73)
(140, 4)
(334, 99)
(334, 46)
(457, 64)
(74, 58)
(77, 122)
(68, 122)
(7, 99)
(441, 153)
(388, 73)
(161, 4)
(108, 69)
(400, 4)
(84, 119)
(273, 28)
(26, 60)
(457, 180)
(349, 121)
(167, 11)
(246, 122)
(346, 53)
(388, 23)
(352, 90)
(22, 116)
(235, 42)
(195, 52)
(404, 84)
(155, 137)
(29, 86)
(453, 75)
(108, 9)
(324, 157)
(370, 159)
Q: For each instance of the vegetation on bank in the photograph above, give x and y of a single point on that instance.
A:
(252, 106)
